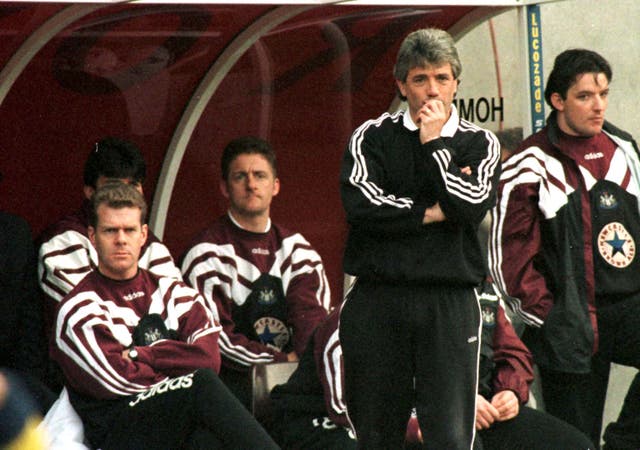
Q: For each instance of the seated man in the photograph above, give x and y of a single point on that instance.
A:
(139, 352)
(311, 412)
(268, 284)
(65, 251)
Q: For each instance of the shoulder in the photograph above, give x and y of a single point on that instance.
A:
(618, 132)
(289, 239)
(383, 124)
(214, 233)
(535, 147)
(70, 223)
(91, 282)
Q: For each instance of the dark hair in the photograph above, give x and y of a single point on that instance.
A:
(245, 146)
(568, 65)
(509, 138)
(428, 46)
(117, 195)
(114, 158)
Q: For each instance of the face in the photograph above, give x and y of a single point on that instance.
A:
(250, 186)
(102, 180)
(118, 238)
(428, 83)
(582, 112)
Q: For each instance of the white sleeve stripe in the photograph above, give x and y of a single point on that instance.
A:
(241, 354)
(359, 173)
(89, 356)
(473, 193)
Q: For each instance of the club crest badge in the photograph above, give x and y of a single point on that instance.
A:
(266, 297)
(616, 246)
(607, 200)
(488, 316)
(272, 332)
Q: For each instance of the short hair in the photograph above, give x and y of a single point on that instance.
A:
(568, 65)
(114, 158)
(247, 145)
(510, 138)
(428, 46)
(117, 195)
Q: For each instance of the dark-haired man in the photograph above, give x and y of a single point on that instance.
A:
(564, 237)
(267, 283)
(66, 255)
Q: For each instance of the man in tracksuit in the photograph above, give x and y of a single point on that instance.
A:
(415, 185)
(564, 237)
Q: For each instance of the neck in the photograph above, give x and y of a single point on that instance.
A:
(255, 224)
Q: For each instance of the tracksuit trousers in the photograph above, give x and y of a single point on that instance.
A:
(406, 345)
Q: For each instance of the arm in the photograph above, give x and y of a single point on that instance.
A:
(513, 370)
(465, 170)
(91, 335)
(196, 345)
(306, 289)
(516, 239)
(63, 261)
(511, 376)
(88, 345)
(368, 199)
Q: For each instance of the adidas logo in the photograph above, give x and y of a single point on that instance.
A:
(594, 155)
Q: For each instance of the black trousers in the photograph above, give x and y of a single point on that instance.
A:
(194, 411)
(309, 432)
(579, 398)
(406, 345)
(532, 430)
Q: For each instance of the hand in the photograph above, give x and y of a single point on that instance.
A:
(431, 119)
(293, 356)
(125, 354)
(507, 404)
(433, 214)
(486, 413)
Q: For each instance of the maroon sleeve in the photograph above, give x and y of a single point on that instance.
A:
(513, 362)
(516, 242)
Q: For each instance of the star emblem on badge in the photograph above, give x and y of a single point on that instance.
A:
(617, 244)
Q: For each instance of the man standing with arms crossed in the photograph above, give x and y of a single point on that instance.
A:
(564, 237)
(415, 186)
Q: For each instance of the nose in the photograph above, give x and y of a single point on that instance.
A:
(251, 181)
(600, 103)
(432, 88)
(120, 237)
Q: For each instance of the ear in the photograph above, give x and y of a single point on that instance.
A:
(223, 188)
(401, 87)
(88, 192)
(91, 232)
(276, 187)
(144, 233)
(557, 101)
